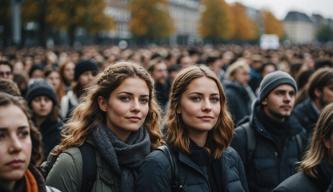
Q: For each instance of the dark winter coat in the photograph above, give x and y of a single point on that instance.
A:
(307, 115)
(272, 161)
(155, 173)
(50, 131)
(238, 100)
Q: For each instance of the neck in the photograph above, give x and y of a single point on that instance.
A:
(7, 185)
(274, 117)
(198, 137)
(318, 104)
(39, 121)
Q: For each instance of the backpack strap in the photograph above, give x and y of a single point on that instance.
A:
(176, 184)
(300, 145)
(251, 140)
(89, 167)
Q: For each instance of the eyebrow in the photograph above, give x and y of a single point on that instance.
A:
(129, 93)
(19, 128)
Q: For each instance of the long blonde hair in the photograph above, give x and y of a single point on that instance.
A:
(88, 115)
(317, 150)
(177, 135)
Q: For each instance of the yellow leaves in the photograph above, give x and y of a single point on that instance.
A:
(150, 18)
(243, 27)
(271, 24)
(214, 19)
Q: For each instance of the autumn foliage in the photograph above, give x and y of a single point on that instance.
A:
(150, 19)
(271, 24)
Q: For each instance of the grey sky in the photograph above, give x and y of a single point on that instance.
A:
(281, 7)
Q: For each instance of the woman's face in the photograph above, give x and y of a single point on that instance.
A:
(87, 78)
(54, 79)
(42, 106)
(69, 71)
(127, 107)
(200, 105)
(15, 143)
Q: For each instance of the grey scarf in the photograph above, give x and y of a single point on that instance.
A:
(123, 158)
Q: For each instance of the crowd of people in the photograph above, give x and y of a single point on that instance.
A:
(226, 118)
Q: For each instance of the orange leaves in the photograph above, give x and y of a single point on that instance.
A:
(150, 19)
(271, 24)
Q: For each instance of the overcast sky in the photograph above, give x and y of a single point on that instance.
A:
(281, 7)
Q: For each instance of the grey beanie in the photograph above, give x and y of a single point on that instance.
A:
(273, 80)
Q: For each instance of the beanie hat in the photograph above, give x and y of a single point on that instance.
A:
(273, 80)
(83, 66)
(40, 88)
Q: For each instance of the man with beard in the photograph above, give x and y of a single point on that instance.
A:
(159, 72)
(320, 94)
(271, 142)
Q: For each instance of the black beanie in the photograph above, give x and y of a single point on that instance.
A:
(40, 88)
(83, 66)
(273, 80)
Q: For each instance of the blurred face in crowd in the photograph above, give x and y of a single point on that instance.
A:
(127, 107)
(15, 144)
(42, 106)
(242, 75)
(6, 72)
(268, 69)
(185, 62)
(54, 79)
(69, 71)
(325, 96)
(200, 106)
(37, 74)
(160, 73)
(279, 103)
(87, 78)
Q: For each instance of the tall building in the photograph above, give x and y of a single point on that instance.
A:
(185, 15)
(299, 27)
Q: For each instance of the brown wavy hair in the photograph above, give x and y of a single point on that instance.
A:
(317, 150)
(36, 140)
(88, 115)
(177, 135)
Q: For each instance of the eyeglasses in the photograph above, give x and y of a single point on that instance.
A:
(5, 73)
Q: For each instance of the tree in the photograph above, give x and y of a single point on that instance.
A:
(150, 19)
(243, 27)
(69, 15)
(325, 33)
(214, 22)
(271, 24)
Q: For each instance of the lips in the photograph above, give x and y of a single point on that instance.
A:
(206, 118)
(134, 118)
(15, 164)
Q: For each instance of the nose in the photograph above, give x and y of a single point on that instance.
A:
(287, 97)
(207, 106)
(136, 105)
(15, 145)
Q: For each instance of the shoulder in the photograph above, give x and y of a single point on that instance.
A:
(295, 183)
(230, 156)
(157, 159)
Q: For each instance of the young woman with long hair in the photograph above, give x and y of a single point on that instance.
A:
(316, 169)
(20, 148)
(198, 132)
(119, 117)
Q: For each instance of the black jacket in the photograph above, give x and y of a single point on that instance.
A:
(155, 173)
(50, 131)
(307, 115)
(269, 164)
(238, 100)
(298, 182)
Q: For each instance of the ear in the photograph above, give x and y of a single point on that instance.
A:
(102, 103)
(264, 102)
(178, 110)
(317, 93)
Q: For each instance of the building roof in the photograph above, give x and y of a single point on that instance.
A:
(296, 16)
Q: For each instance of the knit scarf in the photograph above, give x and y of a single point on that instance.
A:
(123, 158)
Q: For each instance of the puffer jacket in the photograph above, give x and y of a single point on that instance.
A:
(155, 173)
(269, 165)
(239, 100)
(66, 173)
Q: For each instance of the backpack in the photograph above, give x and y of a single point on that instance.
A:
(251, 140)
(176, 184)
(89, 170)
